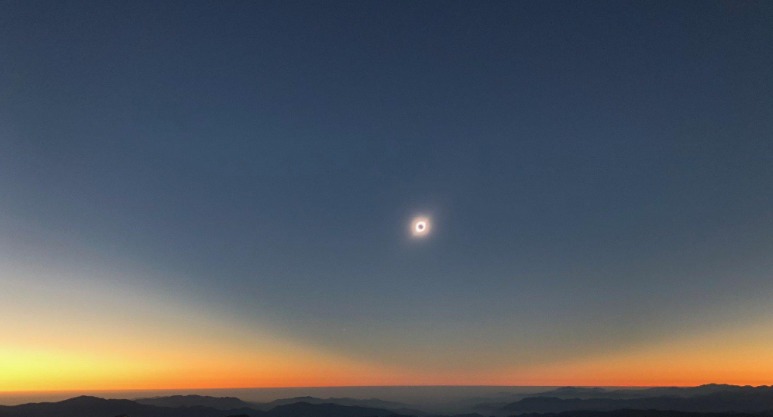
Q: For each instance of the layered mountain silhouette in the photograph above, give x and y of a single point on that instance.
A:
(371, 402)
(229, 403)
(704, 401)
(303, 409)
(589, 392)
(220, 403)
(98, 407)
(711, 398)
(642, 413)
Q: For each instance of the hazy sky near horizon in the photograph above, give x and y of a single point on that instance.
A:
(218, 194)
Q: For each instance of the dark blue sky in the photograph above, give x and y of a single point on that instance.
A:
(599, 174)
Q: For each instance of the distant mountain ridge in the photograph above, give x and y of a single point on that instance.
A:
(228, 403)
(592, 392)
(702, 399)
(220, 403)
(304, 409)
(643, 413)
(370, 402)
(712, 400)
(86, 406)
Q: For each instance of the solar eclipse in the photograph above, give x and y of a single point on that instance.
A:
(420, 227)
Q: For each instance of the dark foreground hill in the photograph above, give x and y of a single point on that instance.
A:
(220, 403)
(630, 393)
(703, 398)
(304, 409)
(642, 413)
(370, 403)
(230, 403)
(732, 402)
(706, 399)
(99, 407)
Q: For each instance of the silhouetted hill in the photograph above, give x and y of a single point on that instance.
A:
(704, 399)
(370, 403)
(467, 415)
(706, 389)
(589, 392)
(625, 393)
(577, 392)
(641, 413)
(709, 401)
(98, 407)
(497, 407)
(220, 403)
(304, 409)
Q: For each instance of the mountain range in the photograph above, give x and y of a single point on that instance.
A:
(703, 399)
(86, 406)
(707, 400)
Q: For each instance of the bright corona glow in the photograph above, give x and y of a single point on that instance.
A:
(420, 227)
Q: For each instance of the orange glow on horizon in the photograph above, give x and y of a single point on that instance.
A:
(741, 357)
(149, 344)
(669, 364)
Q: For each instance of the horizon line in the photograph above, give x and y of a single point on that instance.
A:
(379, 386)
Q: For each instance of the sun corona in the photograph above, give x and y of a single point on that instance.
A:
(420, 227)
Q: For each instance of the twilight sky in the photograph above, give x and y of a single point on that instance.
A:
(218, 194)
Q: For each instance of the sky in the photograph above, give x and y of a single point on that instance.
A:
(219, 194)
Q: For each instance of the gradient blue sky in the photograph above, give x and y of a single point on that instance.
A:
(599, 175)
